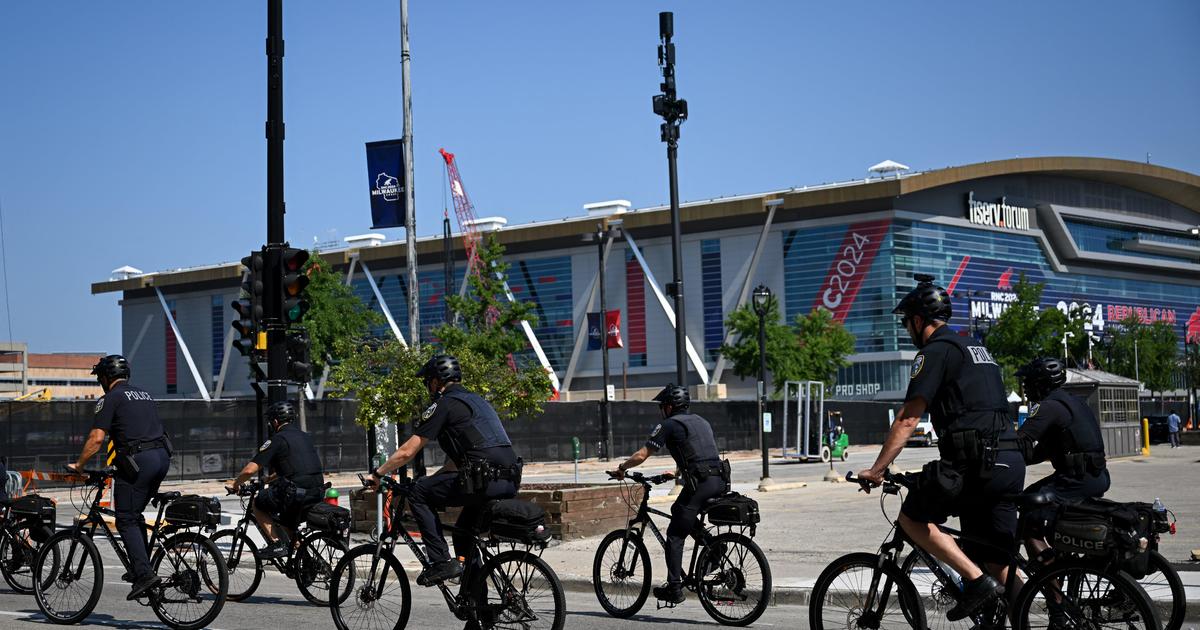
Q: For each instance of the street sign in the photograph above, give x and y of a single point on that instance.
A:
(766, 422)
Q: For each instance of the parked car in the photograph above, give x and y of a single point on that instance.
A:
(1158, 429)
(923, 435)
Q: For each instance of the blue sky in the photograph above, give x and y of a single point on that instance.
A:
(132, 132)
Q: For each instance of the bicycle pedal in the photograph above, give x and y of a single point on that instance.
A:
(665, 604)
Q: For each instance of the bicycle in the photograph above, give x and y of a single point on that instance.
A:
(515, 588)
(194, 579)
(732, 591)
(1069, 593)
(23, 522)
(310, 561)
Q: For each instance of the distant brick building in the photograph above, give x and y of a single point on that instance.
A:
(66, 374)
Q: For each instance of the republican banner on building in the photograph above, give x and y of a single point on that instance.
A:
(385, 173)
(612, 324)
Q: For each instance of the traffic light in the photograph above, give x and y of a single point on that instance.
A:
(249, 306)
(299, 363)
(293, 283)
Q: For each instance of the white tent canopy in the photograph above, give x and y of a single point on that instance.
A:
(887, 166)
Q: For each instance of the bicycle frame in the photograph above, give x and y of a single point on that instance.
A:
(283, 564)
(95, 520)
(642, 520)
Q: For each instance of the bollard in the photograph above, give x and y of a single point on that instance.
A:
(1145, 437)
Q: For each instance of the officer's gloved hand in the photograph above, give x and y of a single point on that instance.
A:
(616, 474)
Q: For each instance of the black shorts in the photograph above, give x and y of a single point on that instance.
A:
(282, 505)
(980, 511)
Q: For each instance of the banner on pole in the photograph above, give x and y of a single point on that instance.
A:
(385, 174)
(612, 323)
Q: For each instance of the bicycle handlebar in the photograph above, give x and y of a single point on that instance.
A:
(646, 481)
(386, 482)
(891, 482)
(93, 475)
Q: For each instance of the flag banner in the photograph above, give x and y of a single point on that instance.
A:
(612, 324)
(385, 173)
(594, 331)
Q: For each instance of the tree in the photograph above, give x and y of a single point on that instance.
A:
(1149, 353)
(824, 344)
(1025, 331)
(335, 314)
(380, 375)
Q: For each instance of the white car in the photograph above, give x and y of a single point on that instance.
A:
(923, 435)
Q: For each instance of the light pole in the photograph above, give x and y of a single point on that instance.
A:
(1137, 373)
(673, 111)
(1066, 335)
(762, 304)
(603, 234)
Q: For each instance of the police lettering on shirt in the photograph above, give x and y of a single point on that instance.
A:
(136, 395)
(980, 355)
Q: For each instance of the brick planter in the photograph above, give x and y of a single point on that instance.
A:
(572, 510)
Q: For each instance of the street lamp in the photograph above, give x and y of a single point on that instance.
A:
(762, 303)
(604, 233)
(1066, 335)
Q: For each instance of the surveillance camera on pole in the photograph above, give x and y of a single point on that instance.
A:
(673, 111)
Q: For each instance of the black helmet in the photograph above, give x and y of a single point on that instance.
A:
(1042, 376)
(674, 395)
(443, 367)
(927, 300)
(111, 367)
(282, 412)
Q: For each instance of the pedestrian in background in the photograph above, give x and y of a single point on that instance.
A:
(1173, 428)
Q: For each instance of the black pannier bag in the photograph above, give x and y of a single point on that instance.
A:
(1108, 530)
(516, 520)
(35, 512)
(193, 510)
(328, 518)
(733, 509)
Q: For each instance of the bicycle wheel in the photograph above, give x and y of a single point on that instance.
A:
(18, 552)
(1074, 594)
(622, 586)
(523, 592)
(938, 599)
(66, 589)
(241, 560)
(734, 581)
(315, 560)
(840, 595)
(1165, 589)
(195, 581)
(366, 598)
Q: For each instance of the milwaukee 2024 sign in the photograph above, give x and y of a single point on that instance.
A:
(850, 266)
(999, 215)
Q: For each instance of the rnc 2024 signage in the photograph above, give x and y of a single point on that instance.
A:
(999, 215)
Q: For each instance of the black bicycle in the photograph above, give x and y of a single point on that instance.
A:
(69, 575)
(24, 523)
(515, 588)
(871, 590)
(727, 570)
(312, 554)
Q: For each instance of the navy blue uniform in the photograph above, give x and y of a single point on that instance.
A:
(690, 441)
(291, 456)
(130, 418)
(469, 431)
(1060, 428)
(963, 389)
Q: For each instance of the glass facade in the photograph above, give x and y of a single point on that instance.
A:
(218, 334)
(1111, 239)
(394, 287)
(547, 283)
(714, 315)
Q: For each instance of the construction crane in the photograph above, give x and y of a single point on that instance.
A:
(44, 394)
(464, 211)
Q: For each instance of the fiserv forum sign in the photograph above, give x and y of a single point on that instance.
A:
(999, 215)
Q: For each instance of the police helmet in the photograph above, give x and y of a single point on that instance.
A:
(927, 300)
(1042, 376)
(674, 395)
(281, 412)
(111, 367)
(443, 367)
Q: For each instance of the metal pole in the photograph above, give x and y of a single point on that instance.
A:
(272, 273)
(605, 418)
(677, 267)
(447, 267)
(762, 396)
(410, 208)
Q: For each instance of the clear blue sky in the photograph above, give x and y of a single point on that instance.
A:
(132, 132)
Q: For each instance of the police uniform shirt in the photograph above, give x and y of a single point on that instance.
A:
(938, 366)
(671, 434)
(447, 417)
(1057, 430)
(128, 414)
(293, 446)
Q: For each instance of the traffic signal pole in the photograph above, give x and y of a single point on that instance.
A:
(273, 306)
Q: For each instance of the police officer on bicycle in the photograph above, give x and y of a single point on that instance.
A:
(296, 483)
(1062, 429)
(480, 466)
(143, 454)
(689, 439)
(956, 380)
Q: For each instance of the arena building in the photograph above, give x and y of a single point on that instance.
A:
(1115, 235)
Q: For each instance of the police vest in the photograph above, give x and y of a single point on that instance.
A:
(482, 430)
(301, 464)
(974, 397)
(699, 445)
(1080, 437)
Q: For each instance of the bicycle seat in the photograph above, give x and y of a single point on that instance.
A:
(1025, 500)
(163, 497)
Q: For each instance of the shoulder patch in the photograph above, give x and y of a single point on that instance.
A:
(265, 446)
(99, 405)
(1034, 408)
(428, 413)
(657, 431)
(918, 363)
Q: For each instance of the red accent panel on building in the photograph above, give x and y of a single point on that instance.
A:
(635, 305)
(171, 350)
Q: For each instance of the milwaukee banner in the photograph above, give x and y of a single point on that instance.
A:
(385, 173)
(612, 323)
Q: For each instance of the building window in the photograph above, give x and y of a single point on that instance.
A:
(218, 334)
(635, 307)
(546, 282)
(710, 274)
(170, 345)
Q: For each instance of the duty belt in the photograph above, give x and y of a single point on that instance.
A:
(145, 445)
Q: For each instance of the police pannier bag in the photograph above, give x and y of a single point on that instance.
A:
(36, 513)
(733, 509)
(328, 518)
(515, 520)
(1108, 531)
(193, 510)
